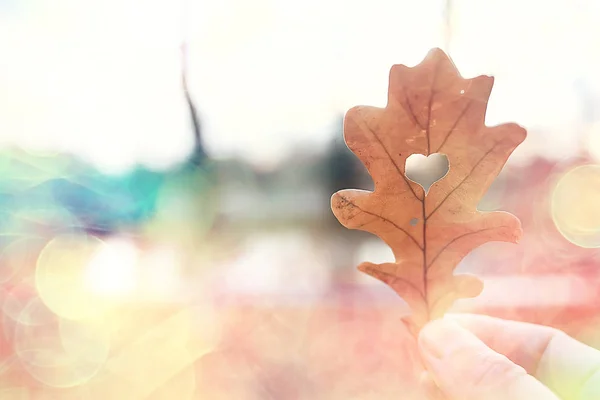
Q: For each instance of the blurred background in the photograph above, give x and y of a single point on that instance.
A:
(165, 175)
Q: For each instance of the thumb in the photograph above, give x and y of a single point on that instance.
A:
(466, 369)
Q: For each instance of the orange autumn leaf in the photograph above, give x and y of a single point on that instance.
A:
(431, 109)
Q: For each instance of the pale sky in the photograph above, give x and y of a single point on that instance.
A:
(100, 78)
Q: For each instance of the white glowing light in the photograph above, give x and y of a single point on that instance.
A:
(113, 270)
(162, 269)
(262, 81)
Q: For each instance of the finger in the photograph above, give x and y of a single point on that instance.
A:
(466, 369)
(522, 343)
(429, 388)
(570, 368)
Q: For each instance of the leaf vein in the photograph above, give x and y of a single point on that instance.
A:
(432, 94)
(385, 220)
(410, 110)
(451, 131)
(407, 282)
(456, 239)
(461, 182)
(393, 162)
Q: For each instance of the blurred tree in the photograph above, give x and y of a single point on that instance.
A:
(199, 154)
(342, 168)
(97, 202)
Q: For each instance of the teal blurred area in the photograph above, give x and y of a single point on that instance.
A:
(60, 193)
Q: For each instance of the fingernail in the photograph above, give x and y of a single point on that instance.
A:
(436, 335)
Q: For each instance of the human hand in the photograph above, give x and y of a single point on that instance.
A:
(473, 357)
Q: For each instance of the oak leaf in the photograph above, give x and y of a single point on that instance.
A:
(431, 109)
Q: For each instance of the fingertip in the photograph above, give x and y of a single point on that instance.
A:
(464, 367)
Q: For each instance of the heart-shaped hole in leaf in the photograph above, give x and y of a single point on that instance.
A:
(426, 170)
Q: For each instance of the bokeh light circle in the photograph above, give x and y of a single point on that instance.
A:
(57, 352)
(61, 277)
(13, 300)
(19, 255)
(576, 206)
